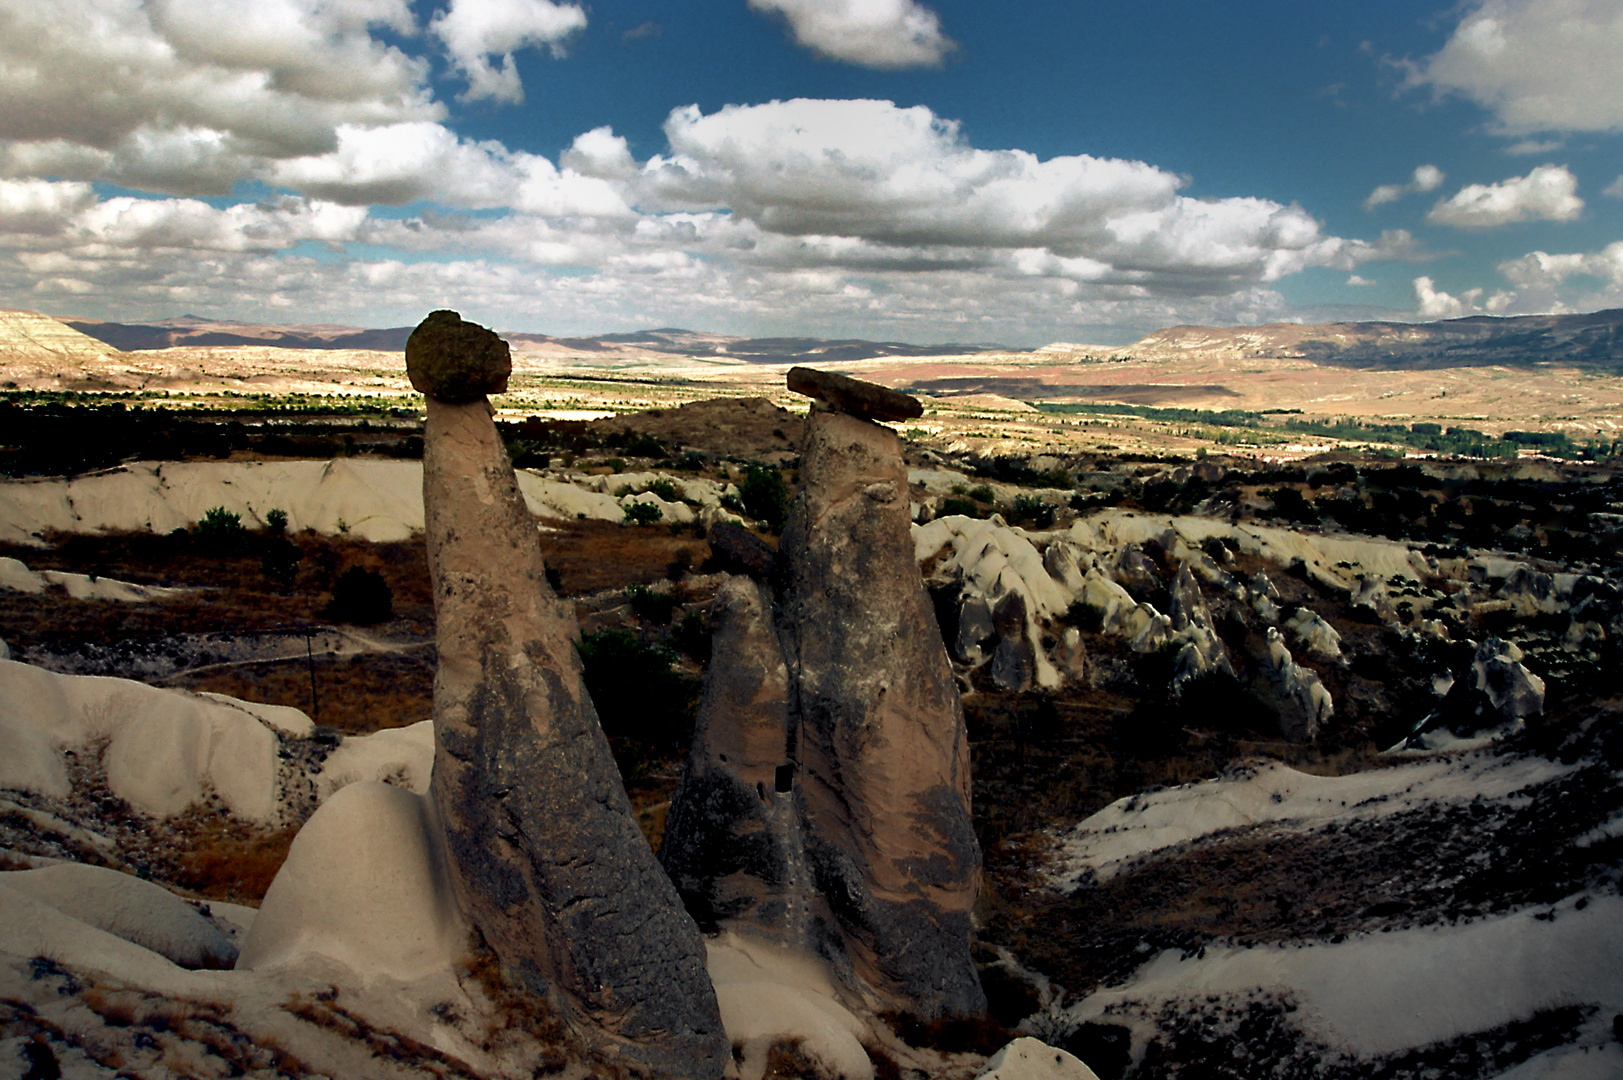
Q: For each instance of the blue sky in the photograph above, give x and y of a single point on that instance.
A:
(930, 172)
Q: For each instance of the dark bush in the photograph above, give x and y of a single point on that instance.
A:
(656, 607)
(276, 522)
(764, 495)
(220, 531)
(362, 597)
(280, 563)
(1031, 510)
(638, 692)
(638, 513)
(957, 504)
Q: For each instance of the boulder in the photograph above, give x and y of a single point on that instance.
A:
(545, 854)
(853, 396)
(1185, 605)
(1494, 698)
(454, 361)
(1015, 661)
(882, 767)
(1032, 1059)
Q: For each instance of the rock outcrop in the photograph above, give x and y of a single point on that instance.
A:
(545, 854)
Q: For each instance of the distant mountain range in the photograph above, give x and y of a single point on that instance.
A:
(194, 331)
(1593, 341)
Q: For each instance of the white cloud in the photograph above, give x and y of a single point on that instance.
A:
(1436, 304)
(188, 96)
(905, 181)
(41, 207)
(1537, 65)
(1614, 190)
(475, 30)
(883, 34)
(1425, 178)
(1584, 281)
(1356, 281)
(1548, 193)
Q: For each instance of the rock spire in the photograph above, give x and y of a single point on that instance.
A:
(545, 853)
(855, 790)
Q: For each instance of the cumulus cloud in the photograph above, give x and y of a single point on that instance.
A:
(1548, 193)
(1433, 303)
(786, 217)
(476, 30)
(897, 178)
(884, 34)
(1425, 178)
(1614, 190)
(1582, 281)
(187, 96)
(1537, 65)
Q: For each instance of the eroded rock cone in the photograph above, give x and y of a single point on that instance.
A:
(731, 838)
(545, 853)
(883, 761)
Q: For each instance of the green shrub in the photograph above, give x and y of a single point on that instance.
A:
(641, 514)
(221, 531)
(982, 493)
(360, 596)
(1030, 509)
(280, 562)
(656, 607)
(665, 490)
(638, 692)
(764, 495)
(276, 522)
(957, 504)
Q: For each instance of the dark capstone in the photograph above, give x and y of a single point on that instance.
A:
(845, 394)
(454, 361)
(738, 550)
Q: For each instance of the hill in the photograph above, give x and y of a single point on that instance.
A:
(1593, 341)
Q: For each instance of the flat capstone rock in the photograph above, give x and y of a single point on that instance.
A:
(456, 362)
(845, 394)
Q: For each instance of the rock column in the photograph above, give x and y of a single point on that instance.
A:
(545, 853)
(878, 748)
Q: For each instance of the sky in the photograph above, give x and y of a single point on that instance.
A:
(930, 172)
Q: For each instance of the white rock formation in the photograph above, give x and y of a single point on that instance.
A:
(1032, 1059)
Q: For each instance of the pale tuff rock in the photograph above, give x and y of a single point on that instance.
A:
(544, 851)
(1304, 703)
(125, 906)
(1315, 635)
(1015, 661)
(1032, 1059)
(882, 769)
(1494, 697)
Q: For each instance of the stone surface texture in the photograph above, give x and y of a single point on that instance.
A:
(545, 854)
(883, 760)
(454, 361)
(845, 394)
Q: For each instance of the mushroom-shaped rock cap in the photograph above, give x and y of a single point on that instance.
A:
(848, 395)
(455, 361)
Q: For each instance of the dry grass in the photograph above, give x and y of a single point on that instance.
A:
(223, 858)
(356, 694)
(593, 555)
